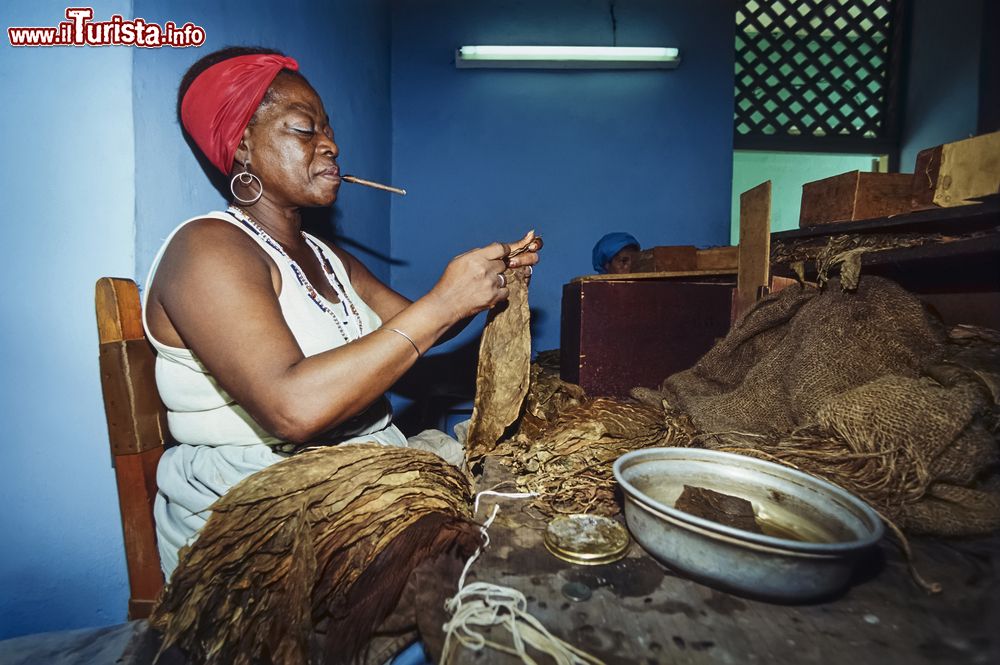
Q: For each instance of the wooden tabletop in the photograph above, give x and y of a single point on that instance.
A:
(641, 612)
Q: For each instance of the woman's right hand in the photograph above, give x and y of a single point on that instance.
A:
(471, 283)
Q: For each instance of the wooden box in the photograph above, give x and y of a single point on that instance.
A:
(687, 258)
(617, 335)
(723, 259)
(855, 195)
(676, 258)
(953, 173)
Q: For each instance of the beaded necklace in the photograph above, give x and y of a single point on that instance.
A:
(331, 274)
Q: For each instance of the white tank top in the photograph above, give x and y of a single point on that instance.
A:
(200, 412)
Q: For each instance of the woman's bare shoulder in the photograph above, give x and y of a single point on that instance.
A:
(212, 240)
(209, 234)
(213, 250)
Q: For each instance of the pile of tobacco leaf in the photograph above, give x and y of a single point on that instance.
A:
(323, 539)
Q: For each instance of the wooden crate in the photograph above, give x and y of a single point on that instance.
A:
(955, 173)
(718, 258)
(686, 258)
(855, 195)
(617, 335)
(670, 258)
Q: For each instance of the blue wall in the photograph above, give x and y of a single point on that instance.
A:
(942, 89)
(97, 173)
(83, 201)
(67, 180)
(488, 154)
(342, 48)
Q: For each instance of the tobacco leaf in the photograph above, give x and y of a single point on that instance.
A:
(566, 455)
(502, 376)
(327, 537)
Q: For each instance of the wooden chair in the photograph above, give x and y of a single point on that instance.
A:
(137, 429)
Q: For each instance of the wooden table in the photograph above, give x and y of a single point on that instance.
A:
(641, 612)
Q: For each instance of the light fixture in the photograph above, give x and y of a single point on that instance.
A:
(567, 57)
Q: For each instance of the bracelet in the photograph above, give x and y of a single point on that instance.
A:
(407, 338)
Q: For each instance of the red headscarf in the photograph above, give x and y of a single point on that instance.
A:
(222, 99)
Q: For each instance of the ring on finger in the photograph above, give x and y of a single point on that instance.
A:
(502, 280)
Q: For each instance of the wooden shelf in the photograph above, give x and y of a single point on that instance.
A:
(964, 219)
(959, 279)
(634, 276)
(964, 254)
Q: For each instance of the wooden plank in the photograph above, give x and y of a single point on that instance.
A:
(970, 169)
(135, 415)
(674, 274)
(642, 612)
(569, 332)
(828, 200)
(140, 609)
(718, 258)
(925, 177)
(855, 195)
(755, 245)
(136, 431)
(118, 409)
(982, 217)
(882, 194)
(955, 174)
(136, 476)
(667, 259)
(119, 313)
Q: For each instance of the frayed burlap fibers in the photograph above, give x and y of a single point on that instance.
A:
(865, 389)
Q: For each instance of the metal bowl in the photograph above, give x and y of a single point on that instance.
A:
(814, 531)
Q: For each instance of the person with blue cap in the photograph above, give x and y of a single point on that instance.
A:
(615, 253)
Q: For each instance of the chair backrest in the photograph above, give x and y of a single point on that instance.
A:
(137, 429)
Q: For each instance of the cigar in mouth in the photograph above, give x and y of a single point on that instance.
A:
(376, 185)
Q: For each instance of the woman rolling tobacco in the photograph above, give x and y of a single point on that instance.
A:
(267, 338)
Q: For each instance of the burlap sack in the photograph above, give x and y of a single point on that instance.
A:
(865, 389)
(794, 351)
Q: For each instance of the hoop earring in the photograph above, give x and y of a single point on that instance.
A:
(246, 179)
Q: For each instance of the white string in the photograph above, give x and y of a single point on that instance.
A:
(485, 604)
(509, 495)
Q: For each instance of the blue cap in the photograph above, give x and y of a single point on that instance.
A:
(608, 246)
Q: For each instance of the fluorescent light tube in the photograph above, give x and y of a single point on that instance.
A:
(568, 57)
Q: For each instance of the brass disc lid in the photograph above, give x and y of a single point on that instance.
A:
(586, 539)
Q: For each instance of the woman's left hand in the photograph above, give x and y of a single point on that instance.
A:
(524, 254)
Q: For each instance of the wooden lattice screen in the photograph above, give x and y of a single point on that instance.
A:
(818, 74)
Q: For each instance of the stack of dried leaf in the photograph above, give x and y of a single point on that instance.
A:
(565, 449)
(326, 538)
(565, 443)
